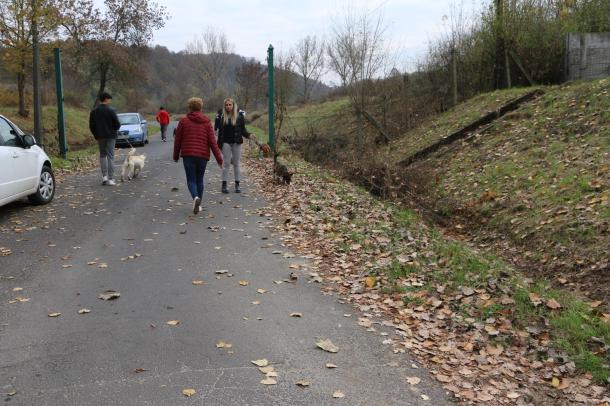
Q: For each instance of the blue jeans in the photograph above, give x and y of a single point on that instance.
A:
(195, 169)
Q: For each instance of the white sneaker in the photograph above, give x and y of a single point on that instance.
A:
(196, 205)
(104, 180)
(111, 182)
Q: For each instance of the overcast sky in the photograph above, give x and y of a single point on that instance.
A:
(253, 24)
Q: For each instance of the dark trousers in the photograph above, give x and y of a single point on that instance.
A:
(163, 130)
(195, 169)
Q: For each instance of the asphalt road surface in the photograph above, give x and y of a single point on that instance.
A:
(141, 239)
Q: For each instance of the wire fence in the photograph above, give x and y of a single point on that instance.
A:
(587, 56)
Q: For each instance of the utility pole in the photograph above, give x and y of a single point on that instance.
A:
(36, 76)
(59, 84)
(271, 96)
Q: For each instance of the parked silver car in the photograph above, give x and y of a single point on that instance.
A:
(134, 129)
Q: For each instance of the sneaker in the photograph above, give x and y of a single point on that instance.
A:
(111, 182)
(196, 205)
(104, 180)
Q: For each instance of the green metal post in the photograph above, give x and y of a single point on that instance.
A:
(271, 98)
(59, 84)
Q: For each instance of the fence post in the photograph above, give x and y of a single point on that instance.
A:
(38, 129)
(59, 85)
(271, 97)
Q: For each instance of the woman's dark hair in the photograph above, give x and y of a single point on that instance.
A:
(105, 96)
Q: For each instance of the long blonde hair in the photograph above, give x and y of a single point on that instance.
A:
(232, 119)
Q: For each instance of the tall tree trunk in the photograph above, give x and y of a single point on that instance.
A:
(21, 91)
(104, 68)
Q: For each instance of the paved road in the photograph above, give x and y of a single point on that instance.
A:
(65, 254)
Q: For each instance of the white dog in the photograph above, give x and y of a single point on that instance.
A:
(133, 165)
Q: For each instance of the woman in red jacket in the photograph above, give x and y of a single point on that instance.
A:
(194, 139)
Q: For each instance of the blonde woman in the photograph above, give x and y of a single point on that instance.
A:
(230, 137)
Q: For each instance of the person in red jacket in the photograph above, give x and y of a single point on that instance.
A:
(163, 120)
(194, 140)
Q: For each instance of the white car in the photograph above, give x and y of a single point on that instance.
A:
(25, 169)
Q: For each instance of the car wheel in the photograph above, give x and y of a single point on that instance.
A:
(46, 187)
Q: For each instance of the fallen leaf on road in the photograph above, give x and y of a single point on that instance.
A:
(188, 392)
(296, 314)
(56, 314)
(222, 271)
(327, 346)
(197, 282)
(261, 362)
(102, 265)
(173, 322)
(271, 374)
(109, 295)
(303, 383)
(256, 302)
(338, 394)
(267, 369)
(84, 311)
(269, 381)
(138, 370)
(425, 397)
(413, 380)
(330, 366)
(261, 291)
(244, 283)
(17, 289)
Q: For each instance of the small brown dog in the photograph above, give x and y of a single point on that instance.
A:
(265, 149)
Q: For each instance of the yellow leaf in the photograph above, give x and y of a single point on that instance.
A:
(188, 392)
(173, 322)
(370, 281)
(261, 291)
(338, 394)
(197, 282)
(54, 314)
(261, 362)
(269, 381)
(244, 283)
(556, 382)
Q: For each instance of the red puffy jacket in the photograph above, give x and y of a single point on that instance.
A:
(195, 137)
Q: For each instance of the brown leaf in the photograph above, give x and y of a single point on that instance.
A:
(197, 282)
(109, 295)
(553, 304)
(296, 314)
(244, 283)
(138, 370)
(535, 299)
(303, 383)
(413, 380)
(173, 322)
(327, 346)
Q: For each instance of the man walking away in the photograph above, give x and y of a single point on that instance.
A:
(104, 124)
(163, 120)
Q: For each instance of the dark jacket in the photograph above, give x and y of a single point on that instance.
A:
(240, 130)
(103, 122)
(195, 137)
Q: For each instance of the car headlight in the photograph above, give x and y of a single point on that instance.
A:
(137, 131)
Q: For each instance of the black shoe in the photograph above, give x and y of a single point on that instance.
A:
(224, 187)
(237, 189)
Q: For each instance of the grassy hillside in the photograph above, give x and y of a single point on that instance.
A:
(541, 177)
(538, 178)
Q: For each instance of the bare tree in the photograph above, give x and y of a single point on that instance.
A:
(284, 88)
(212, 51)
(250, 81)
(309, 62)
(358, 52)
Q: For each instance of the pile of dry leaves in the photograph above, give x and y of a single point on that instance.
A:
(353, 239)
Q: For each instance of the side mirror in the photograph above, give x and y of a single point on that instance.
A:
(144, 121)
(29, 141)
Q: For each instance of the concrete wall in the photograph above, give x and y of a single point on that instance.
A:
(587, 56)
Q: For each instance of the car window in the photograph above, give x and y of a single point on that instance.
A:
(129, 119)
(7, 138)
